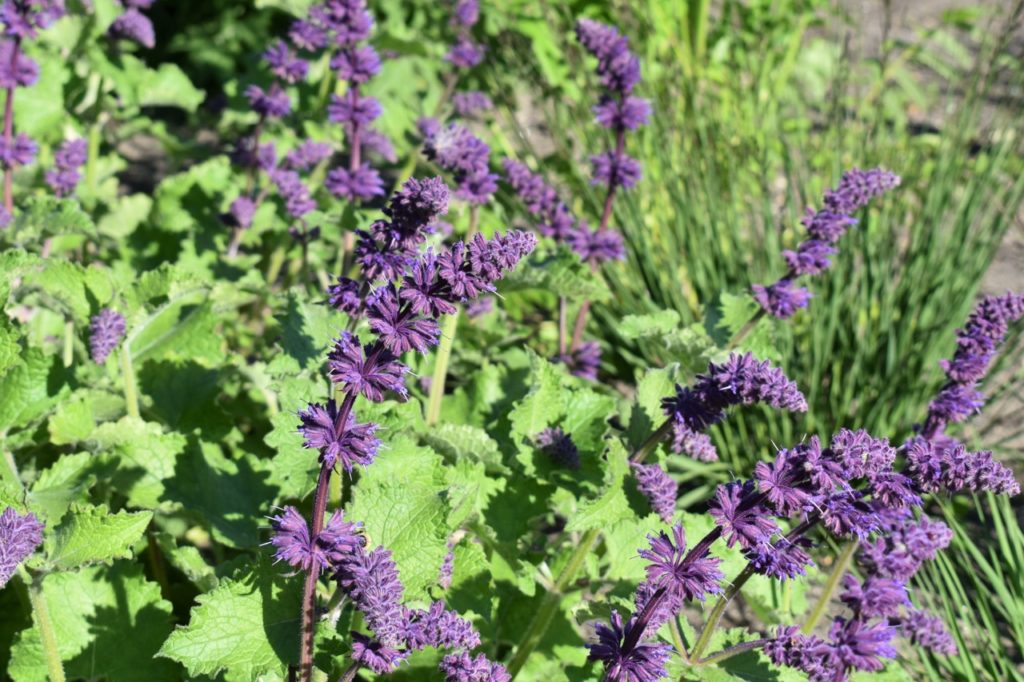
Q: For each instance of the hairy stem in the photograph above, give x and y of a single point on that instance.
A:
(9, 130)
(718, 610)
(581, 324)
(838, 570)
(562, 325)
(350, 673)
(549, 606)
(677, 639)
(648, 446)
(731, 651)
(444, 353)
(69, 342)
(745, 330)
(131, 394)
(41, 611)
(312, 576)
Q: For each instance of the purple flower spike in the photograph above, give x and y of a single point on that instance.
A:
(284, 64)
(135, 26)
(629, 113)
(875, 597)
(241, 212)
(399, 329)
(936, 466)
(857, 645)
(357, 64)
(16, 72)
(465, 668)
(559, 446)
(471, 102)
(584, 361)
(353, 110)
(644, 663)
(374, 655)
(781, 299)
(687, 576)
(371, 581)
(371, 371)
(354, 444)
(465, 54)
(924, 629)
(597, 246)
(307, 155)
(19, 152)
(614, 171)
(803, 652)
(105, 332)
(658, 487)
(19, 537)
(360, 184)
(739, 515)
(783, 559)
(271, 103)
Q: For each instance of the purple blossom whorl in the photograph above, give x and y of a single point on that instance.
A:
(19, 537)
(105, 331)
(658, 487)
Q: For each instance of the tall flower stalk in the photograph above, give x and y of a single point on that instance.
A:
(411, 290)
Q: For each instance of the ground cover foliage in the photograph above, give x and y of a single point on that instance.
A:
(485, 341)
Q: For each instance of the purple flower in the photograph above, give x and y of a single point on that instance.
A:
(538, 196)
(370, 371)
(858, 645)
(21, 71)
(470, 102)
(271, 103)
(628, 113)
(792, 649)
(783, 559)
(371, 580)
(782, 483)
(360, 184)
(470, 270)
(424, 291)
(658, 487)
(875, 597)
(860, 454)
(444, 574)
(740, 380)
(597, 246)
(371, 140)
(399, 329)
(353, 110)
(688, 576)
(414, 207)
(371, 653)
(284, 64)
(617, 67)
(781, 299)
(741, 517)
(465, 54)
(559, 446)
(308, 35)
(479, 307)
(356, 64)
(19, 152)
(846, 513)
(463, 667)
(467, 13)
(458, 151)
(643, 663)
(344, 295)
(381, 256)
(241, 212)
(439, 628)
(297, 199)
(857, 187)
(307, 155)
(19, 537)
(584, 361)
(24, 18)
(350, 444)
(106, 330)
(903, 544)
(294, 546)
(614, 170)
(135, 26)
(940, 465)
(65, 176)
(924, 629)
(810, 258)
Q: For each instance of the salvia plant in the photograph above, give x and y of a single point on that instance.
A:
(312, 405)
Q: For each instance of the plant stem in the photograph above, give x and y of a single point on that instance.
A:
(732, 651)
(546, 611)
(131, 396)
(648, 446)
(350, 673)
(718, 610)
(312, 576)
(9, 129)
(581, 323)
(444, 353)
(274, 266)
(838, 570)
(12, 468)
(95, 136)
(745, 330)
(677, 639)
(48, 637)
(69, 342)
(562, 325)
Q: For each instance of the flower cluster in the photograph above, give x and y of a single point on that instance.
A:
(19, 537)
(824, 228)
(559, 446)
(106, 330)
(556, 221)
(740, 380)
(133, 25)
(65, 176)
(465, 53)
(22, 20)
(618, 110)
(458, 151)
(413, 290)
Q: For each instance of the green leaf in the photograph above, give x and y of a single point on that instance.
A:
(660, 323)
(70, 289)
(144, 458)
(46, 216)
(559, 271)
(462, 442)
(733, 314)
(168, 86)
(610, 506)
(543, 404)
(92, 534)
(307, 328)
(247, 627)
(189, 561)
(39, 110)
(109, 624)
(129, 212)
(71, 422)
(402, 503)
(24, 390)
(57, 488)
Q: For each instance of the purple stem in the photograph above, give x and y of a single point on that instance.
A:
(9, 128)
